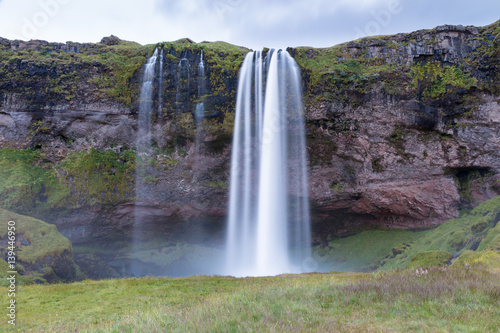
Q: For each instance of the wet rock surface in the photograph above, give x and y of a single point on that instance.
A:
(377, 157)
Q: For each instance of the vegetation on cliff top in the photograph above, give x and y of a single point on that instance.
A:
(60, 72)
(339, 72)
(346, 72)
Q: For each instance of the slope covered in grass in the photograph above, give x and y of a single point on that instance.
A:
(363, 251)
(477, 230)
(472, 231)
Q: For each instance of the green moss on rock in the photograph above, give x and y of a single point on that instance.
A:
(434, 79)
(492, 239)
(25, 185)
(39, 246)
(97, 177)
(430, 259)
(488, 258)
(363, 251)
(455, 236)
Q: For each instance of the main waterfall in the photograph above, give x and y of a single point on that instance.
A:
(268, 224)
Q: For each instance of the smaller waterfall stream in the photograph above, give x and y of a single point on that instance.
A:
(160, 87)
(200, 106)
(199, 113)
(143, 146)
(182, 86)
(146, 102)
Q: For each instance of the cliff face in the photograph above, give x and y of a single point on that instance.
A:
(402, 131)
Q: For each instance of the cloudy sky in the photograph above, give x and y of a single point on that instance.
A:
(251, 23)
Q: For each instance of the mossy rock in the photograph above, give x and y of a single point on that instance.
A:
(20, 278)
(492, 240)
(495, 243)
(488, 258)
(479, 226)
(39, 247)
(475, 229)
(98, 176)
(25, 185)
(49, 275)
(430, 258)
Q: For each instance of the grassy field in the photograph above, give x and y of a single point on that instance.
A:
(452, 299)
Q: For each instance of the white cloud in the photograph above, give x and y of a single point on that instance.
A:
(258, 23)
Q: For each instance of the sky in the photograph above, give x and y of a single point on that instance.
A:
(251, 23)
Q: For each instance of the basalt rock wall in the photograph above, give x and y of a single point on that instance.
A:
(402, 131)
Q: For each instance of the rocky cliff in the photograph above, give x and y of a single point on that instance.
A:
(402, 132)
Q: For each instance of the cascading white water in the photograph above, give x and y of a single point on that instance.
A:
(143, 145)
(268, 224)
(182, 86)
(200, 106)
(199, 115)
(146, 102)
(160, 87)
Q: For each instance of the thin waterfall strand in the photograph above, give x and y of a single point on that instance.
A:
(160, 87)
(146, 102)
(143, 145)
(200, 106)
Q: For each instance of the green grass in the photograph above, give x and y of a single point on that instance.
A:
(455, 236)
(443, 300)
(487, 257)
(492, 240)
(430, 259)
(362, 252)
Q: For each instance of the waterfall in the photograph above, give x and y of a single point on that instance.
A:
(183, 78)
(160, 87)
(143, 145)
(199, 112)
(146, 102)
(268, 223)
(200, 106)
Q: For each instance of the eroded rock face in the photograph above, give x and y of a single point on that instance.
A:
(187, 201)
(386, 157)
(449, 44)
(400, 175)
